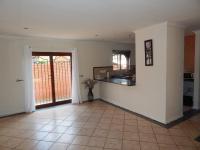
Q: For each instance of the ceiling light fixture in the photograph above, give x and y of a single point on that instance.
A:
(26, 28)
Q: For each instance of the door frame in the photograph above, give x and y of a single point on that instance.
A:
(51, 54)
(196, 97)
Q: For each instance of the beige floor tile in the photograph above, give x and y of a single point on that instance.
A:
(168, 147)
(60, 129)
(176, 132)
(12, 142)
(164, 139)
(43, 145)
(27, 144)
(27, 133)
(104, 126)
(78, 124)
(116, 127)
(182, 141)
(76, 147)
(117, 121)
(38, 135)
(131, 136)
(10, 132)
(113, 144)
(48, 128)
(66, 123)
(73, 130)
(106, 120)
(191, 132)
(31, 126)
(115, 134)
(23, 134)
(144, 123)
(97, 141)
(89, 125)
(59, 146)
(119, 111)
(95, 120)
(130, 116)
(66, 138)
(52, 137)
(130, 145)
(3, 139)
(4, 131)
(100, 133)
(71, 118)
(187, 148)
(149, 146)
(130, 128)
(86, 131)
(93, 148)
(81, 140)
(160, 130)
(4, 148)
(144, 137)
(131, 122)
(118, 117)
(55, 122)
(145, 129)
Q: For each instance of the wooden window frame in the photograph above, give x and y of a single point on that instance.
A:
(120, 65)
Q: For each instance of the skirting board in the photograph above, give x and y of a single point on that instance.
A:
(169, 125)
(11, 115)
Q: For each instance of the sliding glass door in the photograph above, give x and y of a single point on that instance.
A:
(52, 78)
(62, 77)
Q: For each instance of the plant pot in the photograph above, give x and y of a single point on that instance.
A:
(90, 95)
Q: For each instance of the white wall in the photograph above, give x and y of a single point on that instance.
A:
(91, 53)
(175, 69)
(197, 71)
(150, 95)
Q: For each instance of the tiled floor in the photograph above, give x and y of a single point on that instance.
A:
(93, 126)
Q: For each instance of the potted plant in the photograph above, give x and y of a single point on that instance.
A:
(89, 83)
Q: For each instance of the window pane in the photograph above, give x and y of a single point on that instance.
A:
(124, 62)
(116, 61)
(62, 77)
(42, 79)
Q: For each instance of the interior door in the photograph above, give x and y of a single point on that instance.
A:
(52, 78)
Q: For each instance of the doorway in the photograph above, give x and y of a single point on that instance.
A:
(189, 69)
(52, 73)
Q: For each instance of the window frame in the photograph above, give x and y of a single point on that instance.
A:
(126, 53)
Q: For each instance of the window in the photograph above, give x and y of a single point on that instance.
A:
(121, 59)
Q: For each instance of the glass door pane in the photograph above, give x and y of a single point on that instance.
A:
(62, 77)
(42, 79)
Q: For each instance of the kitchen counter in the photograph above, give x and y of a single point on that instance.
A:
(127, 82)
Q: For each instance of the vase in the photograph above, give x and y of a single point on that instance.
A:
(90, 95)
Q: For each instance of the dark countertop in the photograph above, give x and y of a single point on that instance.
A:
(189, 79)
(127, 82)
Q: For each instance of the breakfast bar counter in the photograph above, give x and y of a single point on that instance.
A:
(126, 82)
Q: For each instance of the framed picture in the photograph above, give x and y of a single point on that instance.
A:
(148, 46)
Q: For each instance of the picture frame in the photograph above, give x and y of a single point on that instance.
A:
(148, 47)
